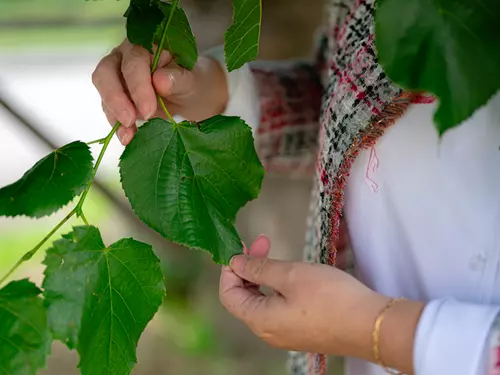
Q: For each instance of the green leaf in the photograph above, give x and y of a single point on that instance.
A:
(241, 41)
(188, 181)
(449, 48)
(99, 299)
(50, 184)
(24, 337)
(142, 25)
(141, 3)
(145, 26)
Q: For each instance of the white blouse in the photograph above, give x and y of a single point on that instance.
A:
(423, 216)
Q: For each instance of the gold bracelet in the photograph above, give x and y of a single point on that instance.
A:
(376, 336)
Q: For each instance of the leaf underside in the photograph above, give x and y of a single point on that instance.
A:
(241, 40)
(50, 184)
(448, 48)
(145, 24)
(188, 181)
(99, 299)
(24, 337)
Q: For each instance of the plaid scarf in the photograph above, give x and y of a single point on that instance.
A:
(354, 101)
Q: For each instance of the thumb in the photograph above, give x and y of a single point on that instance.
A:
(263, 271)
(174, 82)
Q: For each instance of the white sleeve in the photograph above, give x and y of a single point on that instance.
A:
(244, 99)
(452, 338)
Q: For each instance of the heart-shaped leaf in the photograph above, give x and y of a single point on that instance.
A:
(50, 184)
(99, 299)
(241, 41)
(449, 48)
(188, 181)
(24, 337)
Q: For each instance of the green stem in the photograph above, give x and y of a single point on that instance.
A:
(33, 251)
(164, 107)
(156, 60)
(82, 216)
(100, 141)
(79, 206)
(164, 36)
(105, 141)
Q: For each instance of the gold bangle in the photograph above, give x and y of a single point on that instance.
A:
(376, 336)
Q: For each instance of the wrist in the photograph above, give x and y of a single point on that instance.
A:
(397, 335)
(361, 327)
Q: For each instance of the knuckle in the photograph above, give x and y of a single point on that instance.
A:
(268, 334)
(96, 74)
(129, 66)
(100, 70)
(260, 268)
(291, 272)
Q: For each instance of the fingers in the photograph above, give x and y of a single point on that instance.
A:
(123, 80)
(260, 247)
(174, 83)
(107, 80)
(246, 303)
(276, 274)
(136, 71)
(124, 134)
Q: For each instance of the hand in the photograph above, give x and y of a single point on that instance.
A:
(123, 80)
(315, 308)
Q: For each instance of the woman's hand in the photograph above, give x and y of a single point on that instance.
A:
(123, 79)
(315, 308)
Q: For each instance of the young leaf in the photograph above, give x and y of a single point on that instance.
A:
(24, 337)
(241, 41)
(449, 48)
(188, 181)
(50, 184)
(145, 25)
(99, 299)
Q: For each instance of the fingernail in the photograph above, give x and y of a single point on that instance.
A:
(123, 137)
(125, 118)
(231, 263)
(150, 115)
(226, 268)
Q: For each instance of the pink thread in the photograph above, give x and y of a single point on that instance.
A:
(372, 167)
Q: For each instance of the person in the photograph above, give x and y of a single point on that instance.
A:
(422, 212)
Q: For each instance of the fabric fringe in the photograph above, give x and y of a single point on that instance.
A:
(366, 139)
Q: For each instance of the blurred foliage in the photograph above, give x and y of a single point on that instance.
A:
(25, 10)
(39, 23)
(15, 240)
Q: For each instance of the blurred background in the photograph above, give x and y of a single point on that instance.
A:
(48, 50)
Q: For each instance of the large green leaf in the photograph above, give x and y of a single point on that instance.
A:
(188, 181)
(50, 184)
(145, 26)
(24, 337)
(241, 41)
(99, 299)
(449, 48)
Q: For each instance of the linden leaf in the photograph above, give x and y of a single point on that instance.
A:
(188, 181)
(448, 48)
(50, 184)
(24, 337)
(145, 23)
(99, 299)
(241, 41)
